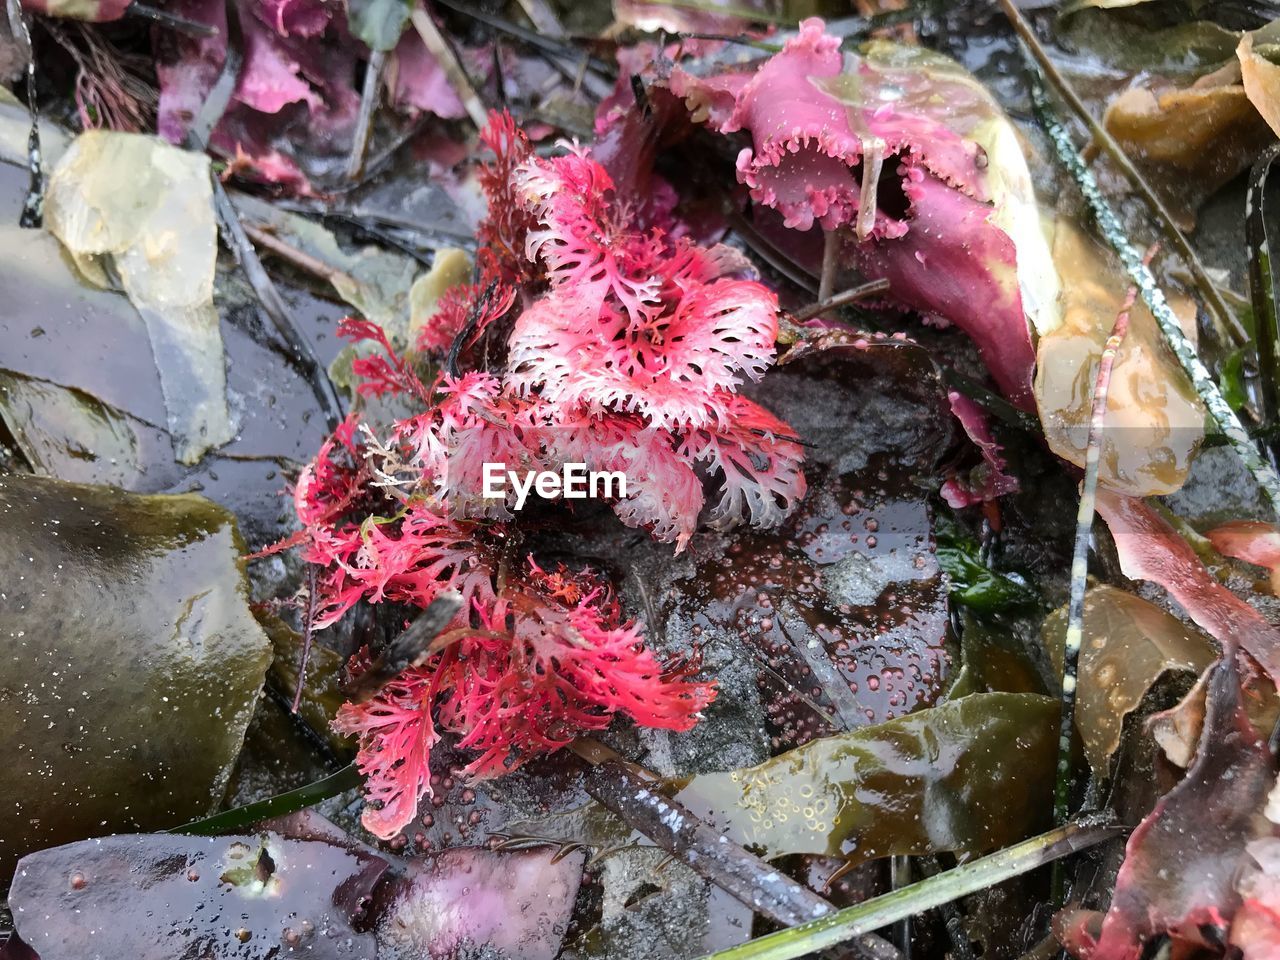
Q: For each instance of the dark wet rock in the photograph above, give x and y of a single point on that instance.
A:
(132, 664)
(161, 896)
(321, 694)
(280, 753)
(654, 908)
(841, 614)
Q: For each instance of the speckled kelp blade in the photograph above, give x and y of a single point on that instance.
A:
(132, 661)
(973, 774)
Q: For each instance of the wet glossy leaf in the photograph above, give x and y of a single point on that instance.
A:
(1261, 79)
(1181, 861)
(1150, 549)
(999, 277)
(135, 211)
(1183, 51)
(86, 351)
(378, 23)
(374, 281)
(462, 901)
(972, 774)
(1251, 541)
(1128, 645)
(1177, 730)
(993, 659)
(1255, 929)
(1155, 421)
(1189, 140)
(68, 434)
(907, 154)
(975, 584)
(134, 663)
(161, 896)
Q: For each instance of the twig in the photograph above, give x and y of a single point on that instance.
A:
(299, 258)
(881, 911)
(872, 163)
(364, 119)
(841, 299)
(233, 235)
(576, 67)
(171, 20)
(219, 97)
(636, 795)
(444, 54)
(542, 17)
(741, 13)
(308, 624)
(1080, 569)
(1228, 327)
(415, 645)
(767, 251)
(1262, 284)
(1140, 274)
(554, 47)
(33, 205)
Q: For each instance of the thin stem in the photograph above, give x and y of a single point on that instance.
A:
(33, 205)
(1080, 570)
(843, 298)
(444, 54)
(170, 20)
(872, 163)
(881, 911)
(1262, 285)
(308, 629)
(598, 80)
(542, 17)
(299, 258)
(767, 251)
(899, 877)
(234, 236)
(1227, 325)
(635, 794)
(1112, 231)
(364, 119)
(741, 13)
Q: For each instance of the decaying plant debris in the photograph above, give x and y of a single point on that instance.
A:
(919, 599)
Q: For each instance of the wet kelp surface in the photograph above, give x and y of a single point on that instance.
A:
(937, 345)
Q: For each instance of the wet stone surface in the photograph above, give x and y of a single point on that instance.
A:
(840, 614)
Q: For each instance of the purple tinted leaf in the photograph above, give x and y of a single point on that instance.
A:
(161, 896)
